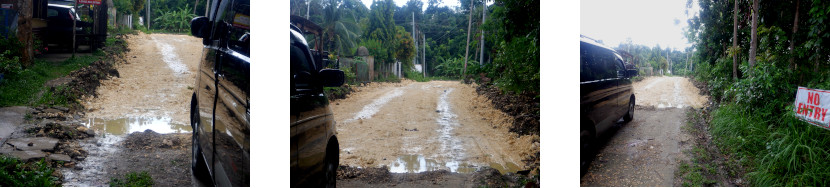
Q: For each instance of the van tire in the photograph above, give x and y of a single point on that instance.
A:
(630, 114)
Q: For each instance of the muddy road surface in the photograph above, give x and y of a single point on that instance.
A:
(413, 127)
(141, 117)
(647, 151)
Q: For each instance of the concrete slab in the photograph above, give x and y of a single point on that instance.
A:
(10, 118)
(28, 155)
(60, 157)
(34, 144)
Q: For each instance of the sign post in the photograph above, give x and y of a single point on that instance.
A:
(811, 106)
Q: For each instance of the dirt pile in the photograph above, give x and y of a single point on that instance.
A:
(381, 177)
(523, 107)
(149, 139)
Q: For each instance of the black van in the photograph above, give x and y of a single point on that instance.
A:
(220, 106)
(606, 93)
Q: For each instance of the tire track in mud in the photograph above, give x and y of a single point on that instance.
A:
(428, 126)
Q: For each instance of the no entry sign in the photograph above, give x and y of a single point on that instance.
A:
(811, 106)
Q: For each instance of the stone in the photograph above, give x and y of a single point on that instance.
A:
(34, 144)
(61, 108)
(28, 155)
(52, 110)
(60, 157)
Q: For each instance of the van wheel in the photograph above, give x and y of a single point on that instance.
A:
(630, 114)
(331, 167)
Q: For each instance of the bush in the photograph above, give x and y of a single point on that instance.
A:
(15, 173)
(175, 20)
(133, 179)
(517, 65)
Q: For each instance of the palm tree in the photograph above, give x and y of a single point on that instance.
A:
(340, 29)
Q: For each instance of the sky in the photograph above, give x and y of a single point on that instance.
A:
(646, 22)
(449, 3)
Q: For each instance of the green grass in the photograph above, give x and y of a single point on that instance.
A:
(776, 151)
(133, 179)
(19, 89)
(14, 173)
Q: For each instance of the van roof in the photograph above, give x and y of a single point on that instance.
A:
(588, 40)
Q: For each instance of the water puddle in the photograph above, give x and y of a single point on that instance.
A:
(447, 122)
(129, 125)
(418, 164)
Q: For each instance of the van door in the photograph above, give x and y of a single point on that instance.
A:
(232, 114)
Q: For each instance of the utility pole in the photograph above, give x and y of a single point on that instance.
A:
(307, 8)
(414, 39)
(483, 16)
(469, 26)
(148, 14)
(74, 26)
(424, 58)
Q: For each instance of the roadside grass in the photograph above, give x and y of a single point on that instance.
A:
(133, 179)
(779, 151)
(19, 89)
(700, 169)
(14, 173)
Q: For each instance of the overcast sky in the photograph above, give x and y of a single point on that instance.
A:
(647, 22)
(449, 3)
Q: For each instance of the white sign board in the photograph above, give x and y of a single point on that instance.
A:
(811, 106)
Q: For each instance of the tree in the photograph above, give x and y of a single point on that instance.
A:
(405, 48)
(340, 29)
(754, 40)
(382, 28)
(735, 41)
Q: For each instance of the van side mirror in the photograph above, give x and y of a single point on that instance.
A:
(332, 77)
(200, 27)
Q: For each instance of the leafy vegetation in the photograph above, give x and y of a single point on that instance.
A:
(754, 121)
(175, 20)
(16, 173)
(133, 179)
(511, 37)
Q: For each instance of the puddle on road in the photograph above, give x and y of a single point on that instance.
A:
(129, 125)
(418, 164)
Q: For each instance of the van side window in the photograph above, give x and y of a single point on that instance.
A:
(301, 68)
(585, 72)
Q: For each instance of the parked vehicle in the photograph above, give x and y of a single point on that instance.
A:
(315, 150)
(59, 26)
(606, 94)
(220, 106)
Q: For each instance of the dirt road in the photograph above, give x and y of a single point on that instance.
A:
(152, 93)
(413, 127)
(647, 150)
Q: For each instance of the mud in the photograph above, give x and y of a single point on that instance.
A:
(644, 152)
(427, 126)
(157, 76)
(668, 92)
(166, 157)
(380, 177)
(523, 107)
(151, 96)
